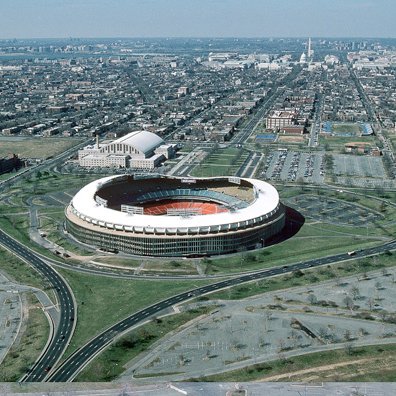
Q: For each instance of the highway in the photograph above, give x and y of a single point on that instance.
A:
(243, 135)
(316, 122)
(59, 341)
(50, 162)
(262, 110)
(73, 365)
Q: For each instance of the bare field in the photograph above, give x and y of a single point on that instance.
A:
(291, 139)
(36, 147)
(347, 370)
(346, 128)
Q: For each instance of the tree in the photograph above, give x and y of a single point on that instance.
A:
(382, 207)
(370, 303)
(348, 302)
(182, 360)
(347, 335)
(355, 292)
(384, 315)
(379, 190)
(294, 336)
(281, 345)
(363, 331)
(328, 162)
(364, 275)
(312, 299)
(348, 348)
(322, 333)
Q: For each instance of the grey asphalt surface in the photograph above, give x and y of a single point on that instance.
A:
(65, 329)
(203, 389)
(10, 291)
(10, 316)
(239, 333)
(71, 367)
(293, 165)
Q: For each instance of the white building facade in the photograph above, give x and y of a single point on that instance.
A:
(139, 149)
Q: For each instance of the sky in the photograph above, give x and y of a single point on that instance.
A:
(196, 18)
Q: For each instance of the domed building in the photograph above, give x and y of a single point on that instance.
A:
(303, 58)
(138, 149)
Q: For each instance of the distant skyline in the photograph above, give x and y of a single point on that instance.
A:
(196, 18)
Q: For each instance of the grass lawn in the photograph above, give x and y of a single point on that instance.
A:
(47, 182)
(6, 176)
(342, 128)
(27, 349)
(221, 162)
(303, 248)
(392, 138)
(214, 170)
(152, 266)
(329, 239)
(325, 229)
(306, 277)
(37, 147)
(20, 272)
(378, 363)
(338, 142)
(50, 226)
(103, 301)
(16, 226)
(110, 364)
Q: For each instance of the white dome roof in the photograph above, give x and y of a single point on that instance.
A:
(142, 141)
(303, 57)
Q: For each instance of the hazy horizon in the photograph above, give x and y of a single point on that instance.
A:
(35, 19)
(196, 38)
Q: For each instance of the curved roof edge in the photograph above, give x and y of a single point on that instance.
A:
(266, 202)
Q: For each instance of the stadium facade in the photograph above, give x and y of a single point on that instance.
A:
(152, 215)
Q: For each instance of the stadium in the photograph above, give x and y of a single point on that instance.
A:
(152, 215)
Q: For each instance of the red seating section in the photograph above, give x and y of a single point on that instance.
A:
(160, 208)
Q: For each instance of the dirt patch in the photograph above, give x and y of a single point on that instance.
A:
(312, 370)
(291, 139)
(37, 147)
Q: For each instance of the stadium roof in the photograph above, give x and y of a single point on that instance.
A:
(143, 141)
(266, 202)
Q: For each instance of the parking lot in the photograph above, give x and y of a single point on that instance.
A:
(331, 210)
(361, 171)
(10, 315)
(291, 166)
(264, 328)
(362, 166)
(349, 170)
